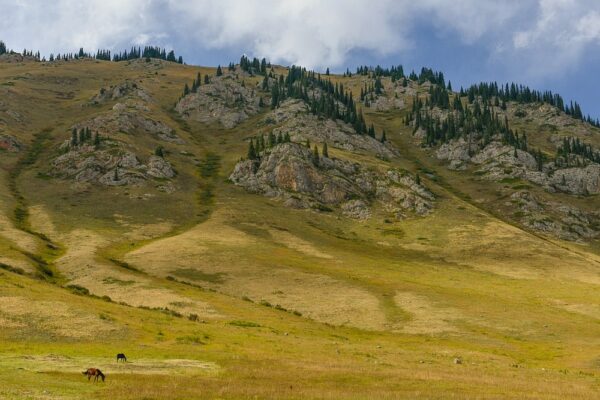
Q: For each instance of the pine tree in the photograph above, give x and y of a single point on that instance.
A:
(219, 71)
(418, 179)
(308, 143)
(315, 155)
(96, 140)
(325, 150)
(74, 137)
(383, 137)
(251, 151)
(327, 72)
(271, 140)
(159, 151)
(116, 175)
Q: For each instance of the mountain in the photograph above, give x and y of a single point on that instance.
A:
(259, 231)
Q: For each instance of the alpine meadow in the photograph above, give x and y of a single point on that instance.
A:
(259, 230)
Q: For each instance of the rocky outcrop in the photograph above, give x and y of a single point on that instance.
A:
(225, 100)
(124, 118)
(16, 58)
(289, 172)
(383, 103)
(295, 120)
(9, 143)
(111, 167)
(496, 162)
(581, 180)
(557, 219)
(127, 88)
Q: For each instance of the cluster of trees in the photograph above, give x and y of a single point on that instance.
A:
(255, 148)
(31, 53)
(576, 147)
(523, 94)
(395, 72)
(2, 48)
(368, 92)
(105, 55)
(322, 96)
(148, 52)
(254, 67)
(471, 123)
(83, 136)
(428, 75)
(197, 82)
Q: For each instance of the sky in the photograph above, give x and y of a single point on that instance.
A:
(546, 44)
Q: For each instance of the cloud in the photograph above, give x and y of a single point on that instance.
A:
(558, 40)
(540, 36)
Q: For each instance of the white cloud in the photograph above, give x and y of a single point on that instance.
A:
(557, 40)
(543, 35)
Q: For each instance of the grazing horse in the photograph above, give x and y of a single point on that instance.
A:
(121, 356)
(95, 372)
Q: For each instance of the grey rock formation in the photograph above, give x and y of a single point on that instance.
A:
(124, 118)
(289, 172)
(295, 119)
(9, 143)
(127, 88)
(111, 167)
(497, 161)
(556, 219)
(224, 100)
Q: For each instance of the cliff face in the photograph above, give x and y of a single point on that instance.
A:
(290, 172)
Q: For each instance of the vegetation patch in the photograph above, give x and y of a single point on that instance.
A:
(245, 324)
(197, 275)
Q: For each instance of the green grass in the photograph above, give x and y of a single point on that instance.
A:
(227, 294)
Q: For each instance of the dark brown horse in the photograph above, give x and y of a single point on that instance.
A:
(95, 372)
(121, 356)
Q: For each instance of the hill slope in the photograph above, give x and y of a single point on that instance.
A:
(135, 218)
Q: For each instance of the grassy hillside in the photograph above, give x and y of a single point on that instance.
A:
(215, 292)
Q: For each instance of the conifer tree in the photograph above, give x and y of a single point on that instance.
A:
(325, 150)
(383, 137)
(74, 137)
(219, 71)
(251, 151)
(418, 179)
(315, 155)
(271, 139)
(159, 151)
